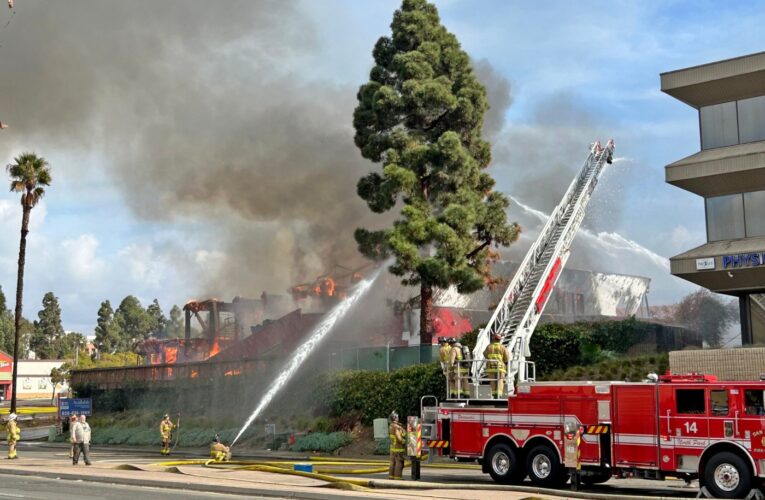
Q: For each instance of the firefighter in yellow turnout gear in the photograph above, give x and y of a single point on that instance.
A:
(497, 357)
(444, 355)
(219, 451)
(458, 379)
(12, 434)
(166, 427)
(397, 435)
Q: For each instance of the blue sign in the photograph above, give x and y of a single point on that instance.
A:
(75, 406)
(743, 260)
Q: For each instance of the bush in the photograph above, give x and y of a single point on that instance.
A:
(633, 369)
(382, 446)
(371, 395)
(320, 441)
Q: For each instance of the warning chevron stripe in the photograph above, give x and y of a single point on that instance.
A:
(597, 429)
(438, 444)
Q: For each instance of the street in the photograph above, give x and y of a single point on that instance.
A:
(45, 471)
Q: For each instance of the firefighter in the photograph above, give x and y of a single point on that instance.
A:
(458, 372)
(497, 356)
(166, 427)
(12, 434)
(397, 435)
(219, 451)
(443, 355)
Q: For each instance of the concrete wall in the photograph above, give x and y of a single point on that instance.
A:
(726, 364)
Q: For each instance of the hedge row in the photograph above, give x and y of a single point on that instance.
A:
(373, 395)
(630, 369)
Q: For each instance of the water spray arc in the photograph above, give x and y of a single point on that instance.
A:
(305, 350)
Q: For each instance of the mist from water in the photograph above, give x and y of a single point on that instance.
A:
(610, 242)
(305, 350)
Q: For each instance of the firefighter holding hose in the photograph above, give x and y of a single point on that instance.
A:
(219, 451)
(12, 434)
(166, 427)
(397, 435)
(497, 357)
(458, 381)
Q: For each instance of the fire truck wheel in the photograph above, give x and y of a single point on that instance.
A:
(543, 467)
(503, 464)
(726, 475)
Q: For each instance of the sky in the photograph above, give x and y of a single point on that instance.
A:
(205, 149)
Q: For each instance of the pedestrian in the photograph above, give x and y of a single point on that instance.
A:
(12, 434)
(219, 451)
(166, 427)
(81, 441)
(397, 435)
(72, 421)
(497, 357)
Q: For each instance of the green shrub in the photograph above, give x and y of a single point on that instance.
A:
(382, 446)
(320, 441)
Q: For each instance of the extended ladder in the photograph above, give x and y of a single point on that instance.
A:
(518, 312)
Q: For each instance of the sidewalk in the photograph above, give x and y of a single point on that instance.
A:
(237, 482)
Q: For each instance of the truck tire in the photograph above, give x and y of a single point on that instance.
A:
(503, 464)
(544, 468)
(727, 475)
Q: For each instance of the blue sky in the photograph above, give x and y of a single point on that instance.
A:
(119, 220)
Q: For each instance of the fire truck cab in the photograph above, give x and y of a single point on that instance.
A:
(689, 426)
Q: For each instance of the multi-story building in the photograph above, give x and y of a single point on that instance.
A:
(729, 173)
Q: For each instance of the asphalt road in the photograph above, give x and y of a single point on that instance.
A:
(34, 488)
(621, 488)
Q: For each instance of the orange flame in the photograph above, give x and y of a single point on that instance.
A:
(215, 349)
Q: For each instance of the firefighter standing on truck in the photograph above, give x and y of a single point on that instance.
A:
(443, 355)
(497, 357)
(12, 434)
(458, 385)
(397, 435)
(166, 427)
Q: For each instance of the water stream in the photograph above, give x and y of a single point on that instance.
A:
(321, 331)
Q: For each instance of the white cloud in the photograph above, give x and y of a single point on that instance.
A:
(81, 259)
(144, 265)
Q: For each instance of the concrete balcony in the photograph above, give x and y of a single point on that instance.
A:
(715, 172)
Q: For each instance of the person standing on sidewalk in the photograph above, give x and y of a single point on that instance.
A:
(12, 434)
(166, 427)
(72, 422)
(81, 441)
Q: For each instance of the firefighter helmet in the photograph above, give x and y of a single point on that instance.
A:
(216, 439)
(393, 417)
(452, 340)
(11, 417)
(496, 336)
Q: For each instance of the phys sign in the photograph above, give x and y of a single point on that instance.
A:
(705, 264)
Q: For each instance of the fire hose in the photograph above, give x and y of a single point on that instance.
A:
(283, 467)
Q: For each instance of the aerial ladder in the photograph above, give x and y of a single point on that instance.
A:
(521, 306)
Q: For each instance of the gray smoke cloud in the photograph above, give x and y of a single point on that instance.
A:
(205, 114)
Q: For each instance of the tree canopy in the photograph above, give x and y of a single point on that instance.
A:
(48, 330)
(704, 312)
(420, 116)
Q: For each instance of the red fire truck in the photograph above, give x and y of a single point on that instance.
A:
(691, 426)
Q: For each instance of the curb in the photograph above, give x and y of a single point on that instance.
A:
(157, 483)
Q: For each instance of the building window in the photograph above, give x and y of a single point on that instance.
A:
(754, 208)
(725, 217)
(719, 125)
(751, 119)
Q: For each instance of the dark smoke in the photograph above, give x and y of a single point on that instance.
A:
(204, 115)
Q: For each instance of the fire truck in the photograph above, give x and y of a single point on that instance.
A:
(689, 426)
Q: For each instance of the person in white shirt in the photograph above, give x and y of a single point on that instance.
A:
(81, 441)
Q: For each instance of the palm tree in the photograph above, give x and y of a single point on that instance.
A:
(29, 173)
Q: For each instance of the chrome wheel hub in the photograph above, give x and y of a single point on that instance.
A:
(500, 463)
(727, 477)
(541, 466)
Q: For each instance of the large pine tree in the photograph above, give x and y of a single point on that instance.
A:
(48, 329)
(420, 116)
(108, 335)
